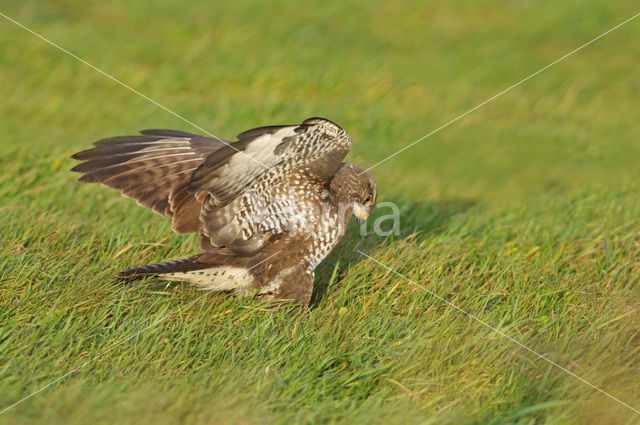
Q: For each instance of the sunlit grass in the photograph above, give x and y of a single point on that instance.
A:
(524, 214)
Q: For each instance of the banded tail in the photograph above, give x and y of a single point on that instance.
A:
(173, 266)
(199, 271)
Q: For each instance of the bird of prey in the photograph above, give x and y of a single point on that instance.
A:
(268, 207)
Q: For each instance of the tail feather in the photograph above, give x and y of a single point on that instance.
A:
(172, 266)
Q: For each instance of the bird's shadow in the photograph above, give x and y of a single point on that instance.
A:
(417, 220)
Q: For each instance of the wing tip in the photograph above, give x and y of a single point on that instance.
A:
(320, 121)
(82, 155)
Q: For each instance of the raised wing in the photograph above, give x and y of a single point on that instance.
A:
(245, 206)
(154, 168)
(317, 142)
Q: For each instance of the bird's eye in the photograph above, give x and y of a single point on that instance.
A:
(367, 199)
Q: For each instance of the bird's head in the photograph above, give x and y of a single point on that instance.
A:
(355, 187)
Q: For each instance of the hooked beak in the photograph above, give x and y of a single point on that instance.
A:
(361, 213)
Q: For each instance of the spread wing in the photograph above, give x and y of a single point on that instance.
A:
(198, 181)
(154, 168)
(268, 159)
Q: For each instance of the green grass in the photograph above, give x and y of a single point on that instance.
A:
(524, 214)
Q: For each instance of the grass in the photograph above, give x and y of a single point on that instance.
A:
(524, 214)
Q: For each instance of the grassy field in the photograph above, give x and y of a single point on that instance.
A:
(525, 214)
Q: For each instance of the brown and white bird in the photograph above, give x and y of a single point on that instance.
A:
(268, 208)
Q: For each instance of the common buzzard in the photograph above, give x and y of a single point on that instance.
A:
(268, 207)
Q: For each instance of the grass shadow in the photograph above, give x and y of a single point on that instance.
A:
(417, 220)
